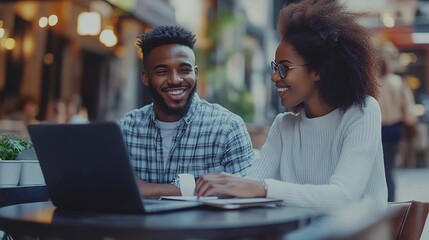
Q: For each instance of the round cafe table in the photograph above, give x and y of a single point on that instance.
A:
(43, 220)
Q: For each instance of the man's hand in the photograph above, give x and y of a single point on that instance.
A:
(155, 189)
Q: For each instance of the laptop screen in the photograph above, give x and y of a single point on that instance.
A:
(86, 166)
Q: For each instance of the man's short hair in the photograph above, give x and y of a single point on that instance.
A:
(165, 35)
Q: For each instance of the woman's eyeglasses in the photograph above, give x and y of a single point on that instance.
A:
(283, 70)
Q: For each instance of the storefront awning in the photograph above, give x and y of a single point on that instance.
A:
(153, 13)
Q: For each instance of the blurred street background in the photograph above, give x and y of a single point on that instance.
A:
(62, 59)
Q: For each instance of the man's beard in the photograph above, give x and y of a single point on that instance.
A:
(159, 101)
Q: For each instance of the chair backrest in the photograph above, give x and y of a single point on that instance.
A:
(409, 220)
(380, 229)
(355, 222)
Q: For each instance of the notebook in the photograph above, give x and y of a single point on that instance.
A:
(86, 167)
(228, 203)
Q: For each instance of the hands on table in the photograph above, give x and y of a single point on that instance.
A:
(226, 185)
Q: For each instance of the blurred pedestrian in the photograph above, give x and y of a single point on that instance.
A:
(56, 111)
(398, 117)
(76, 113)
(27, 110)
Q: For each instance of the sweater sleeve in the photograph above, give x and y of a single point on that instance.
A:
(266, 165)
(361, 148)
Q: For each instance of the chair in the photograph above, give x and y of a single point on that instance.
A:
(355, 222)
(409, 220)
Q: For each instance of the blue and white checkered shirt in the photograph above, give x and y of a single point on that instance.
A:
(209, 139)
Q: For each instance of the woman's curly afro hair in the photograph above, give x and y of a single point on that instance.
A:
(336, 46)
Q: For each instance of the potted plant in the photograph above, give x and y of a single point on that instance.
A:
(10, 168)
(13, 170)
(31, 173)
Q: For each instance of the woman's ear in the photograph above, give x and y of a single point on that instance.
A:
(316, 76)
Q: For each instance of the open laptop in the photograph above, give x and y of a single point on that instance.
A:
(86, 167)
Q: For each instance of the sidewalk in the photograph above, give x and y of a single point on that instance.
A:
(411, 184)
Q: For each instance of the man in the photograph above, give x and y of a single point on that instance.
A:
(179, 132)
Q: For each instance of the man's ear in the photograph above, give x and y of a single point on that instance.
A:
(144, 77)
(197, 72)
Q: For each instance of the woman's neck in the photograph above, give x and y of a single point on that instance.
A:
(318, 108)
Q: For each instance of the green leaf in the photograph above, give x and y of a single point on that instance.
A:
(11, 147)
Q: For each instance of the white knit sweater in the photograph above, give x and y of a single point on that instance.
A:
(325, 162)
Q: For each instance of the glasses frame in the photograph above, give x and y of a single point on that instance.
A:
(283, 70)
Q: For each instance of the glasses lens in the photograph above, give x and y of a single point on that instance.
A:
(282, 71)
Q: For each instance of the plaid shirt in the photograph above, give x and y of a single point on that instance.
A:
(209, 139)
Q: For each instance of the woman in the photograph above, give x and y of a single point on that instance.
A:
(326, 153)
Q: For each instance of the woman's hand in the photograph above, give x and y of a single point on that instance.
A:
(228, 185)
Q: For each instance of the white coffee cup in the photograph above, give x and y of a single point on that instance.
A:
(187, 184)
